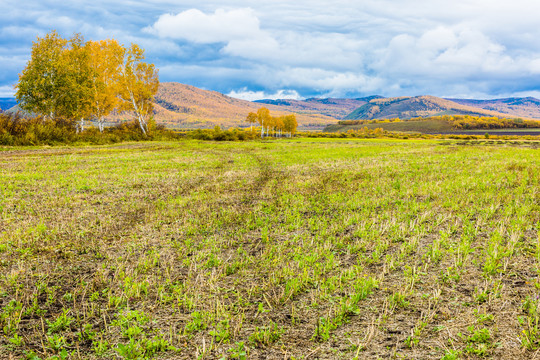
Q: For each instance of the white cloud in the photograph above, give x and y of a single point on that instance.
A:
(7, 91)
(57, 22)
(332, 83)
(446, 52)
(243, 36)
(245, 94)
(532, 93)
(18, 31)
(265, 48)
(534, 66)
(387, 47)
(196, 26)
(287, 48)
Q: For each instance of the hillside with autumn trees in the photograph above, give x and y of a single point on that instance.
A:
(418, 106)
(334, 107)
(527, 107)
(183, 106)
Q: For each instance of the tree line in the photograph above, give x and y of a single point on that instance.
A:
(460, 122)
(277, 126)
(83, 80)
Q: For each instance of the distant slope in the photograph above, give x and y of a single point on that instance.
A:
(411, 107)
(528, 107)
(7, 103)
(17, 110)
(183, 106)
(336, 108)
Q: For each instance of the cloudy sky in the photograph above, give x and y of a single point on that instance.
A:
(288, 49)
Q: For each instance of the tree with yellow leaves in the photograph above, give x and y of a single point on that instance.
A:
(79, 80)
(106, 56)
(264, 119)
(76, 94)
(56, 81)
(138, 83)
(251, 119)
(278, 125)
(43, 79)
(290, 124)
(272, 124)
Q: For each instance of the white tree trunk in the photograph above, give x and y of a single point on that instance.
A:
(142, 122)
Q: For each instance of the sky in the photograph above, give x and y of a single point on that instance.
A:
(299, 49)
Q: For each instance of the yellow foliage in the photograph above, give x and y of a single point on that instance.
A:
(80, 80)
(465, 122)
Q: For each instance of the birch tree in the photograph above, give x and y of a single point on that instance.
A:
(278, 125)
(42, 80)
(290, 124)
(251, 119)
(78, 80)
(263, 118)
(106, 57)
(76, 93)
(138, 83)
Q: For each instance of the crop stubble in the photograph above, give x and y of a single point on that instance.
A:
(323, 248)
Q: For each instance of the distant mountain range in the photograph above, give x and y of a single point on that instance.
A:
(528, 107)
(418, 106)
(184, 106)
(336, 108)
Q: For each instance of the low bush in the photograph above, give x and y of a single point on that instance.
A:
(217, 134)
(16, 130)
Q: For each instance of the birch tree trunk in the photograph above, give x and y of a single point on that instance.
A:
(142, 122)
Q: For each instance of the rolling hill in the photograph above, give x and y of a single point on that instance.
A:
(418, 106)
(184, 106)
(336, 108)
(528, 107)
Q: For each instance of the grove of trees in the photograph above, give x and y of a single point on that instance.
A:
(460, 122)
(82, 80)
(279, 126)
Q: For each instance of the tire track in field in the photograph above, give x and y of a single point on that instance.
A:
(265, 170)
(266, 173)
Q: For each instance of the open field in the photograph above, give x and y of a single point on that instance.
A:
(288, 249)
